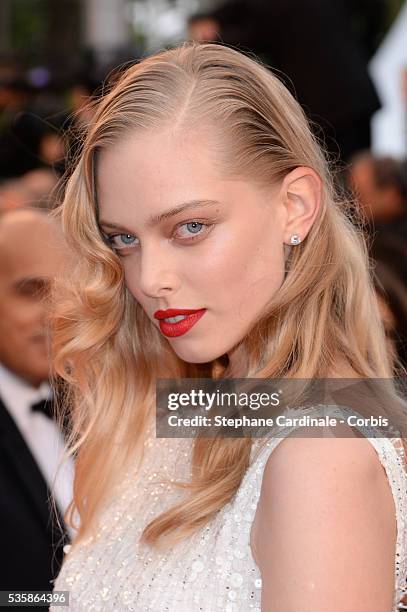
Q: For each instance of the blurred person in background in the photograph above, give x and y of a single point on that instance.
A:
(380, 187)
(14, 92)
(391, 293)
(80, 96)
(389, 323)
(19, 128)
(36, 189)
(319, 55)
(14, 194)
(41, 184)
(203, 27)
(32, 253)
(30, 134)
(389, 253)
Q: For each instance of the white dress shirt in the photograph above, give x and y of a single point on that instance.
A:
(41, 434)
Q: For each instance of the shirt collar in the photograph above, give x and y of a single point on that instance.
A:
(18, 395)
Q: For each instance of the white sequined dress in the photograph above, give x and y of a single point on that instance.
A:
(212, 571)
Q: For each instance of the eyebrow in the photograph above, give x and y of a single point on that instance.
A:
(156, 219)
(32, 283)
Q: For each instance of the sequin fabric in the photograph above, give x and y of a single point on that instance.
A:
(212, 571)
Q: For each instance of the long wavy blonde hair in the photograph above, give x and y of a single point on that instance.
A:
(106, 348)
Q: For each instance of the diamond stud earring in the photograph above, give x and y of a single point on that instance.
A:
(295, 239)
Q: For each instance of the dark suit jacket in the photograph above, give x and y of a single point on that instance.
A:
(31, 543)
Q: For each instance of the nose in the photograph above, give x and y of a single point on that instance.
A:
(158, 272)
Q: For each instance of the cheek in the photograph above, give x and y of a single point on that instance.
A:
(15, 337)
(148, 304)
(244, 269)
(11, 317)
(19, 316)
(258, 282)
(131, 279)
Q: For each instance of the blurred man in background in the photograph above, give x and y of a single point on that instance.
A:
(32, 252)
(380, 186)
(203, 27)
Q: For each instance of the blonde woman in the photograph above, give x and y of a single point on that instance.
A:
(209, 240)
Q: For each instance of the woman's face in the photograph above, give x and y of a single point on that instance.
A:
(191, 239)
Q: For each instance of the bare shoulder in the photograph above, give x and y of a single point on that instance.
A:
(326, 515)
(330, 472)
(346, 456)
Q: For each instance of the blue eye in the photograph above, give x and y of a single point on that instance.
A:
(119, 241)
(185, 230)
(194, 227)
(127, 238)
(192, 230)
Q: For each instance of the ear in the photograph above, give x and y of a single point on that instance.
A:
(301, 193)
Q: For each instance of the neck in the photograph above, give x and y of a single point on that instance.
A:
(238, 365)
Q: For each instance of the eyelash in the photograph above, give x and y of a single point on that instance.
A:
(193, 238)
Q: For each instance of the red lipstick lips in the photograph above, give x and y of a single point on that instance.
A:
(178, 326)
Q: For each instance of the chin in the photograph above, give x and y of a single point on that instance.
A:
(40, 369)
(198, 354)
(40, 374)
